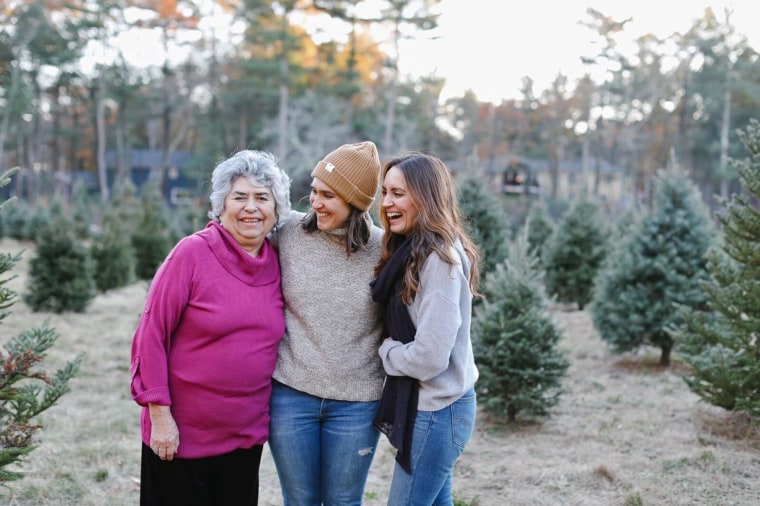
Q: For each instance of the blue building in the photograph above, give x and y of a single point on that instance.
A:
(179, 186)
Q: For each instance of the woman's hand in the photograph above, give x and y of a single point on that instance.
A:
(164, 435)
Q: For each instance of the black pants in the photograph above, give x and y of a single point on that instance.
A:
(231, 479)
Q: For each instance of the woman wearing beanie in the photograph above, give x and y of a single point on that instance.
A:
(328, 377)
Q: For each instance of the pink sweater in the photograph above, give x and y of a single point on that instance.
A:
(206, 344)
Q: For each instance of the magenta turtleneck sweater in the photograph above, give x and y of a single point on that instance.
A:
(206, 343)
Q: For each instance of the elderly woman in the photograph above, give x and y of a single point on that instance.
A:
(206, 345)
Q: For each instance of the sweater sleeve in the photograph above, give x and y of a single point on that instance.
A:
(167, 297)
(437, 317)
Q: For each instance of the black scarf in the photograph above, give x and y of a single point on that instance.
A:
(398, 405)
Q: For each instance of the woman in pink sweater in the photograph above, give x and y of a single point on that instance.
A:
(206, 345)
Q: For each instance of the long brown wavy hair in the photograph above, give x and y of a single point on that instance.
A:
(439, 221)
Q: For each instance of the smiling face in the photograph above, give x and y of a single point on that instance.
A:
(332, 211)
(249, 214)
(397, 204)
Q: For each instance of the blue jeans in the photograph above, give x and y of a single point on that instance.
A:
(322, 448)
(438, 441)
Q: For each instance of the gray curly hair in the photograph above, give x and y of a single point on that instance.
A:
(261, 169)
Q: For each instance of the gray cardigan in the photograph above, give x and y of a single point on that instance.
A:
(440, 356)
(333, 327)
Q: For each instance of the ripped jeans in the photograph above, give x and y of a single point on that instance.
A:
(322, 448)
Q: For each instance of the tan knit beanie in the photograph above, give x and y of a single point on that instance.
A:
(353, 172)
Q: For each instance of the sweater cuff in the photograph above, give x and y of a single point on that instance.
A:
(385, 349)
(154, 396)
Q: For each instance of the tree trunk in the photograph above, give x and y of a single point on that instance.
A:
(282, 120)
(665, 356)
(100, 122)
(585, 161)
(724, 129)
(390, 110)
(5, 124)
(390, 115)
(511, 413)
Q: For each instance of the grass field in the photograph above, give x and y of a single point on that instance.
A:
(625, 432)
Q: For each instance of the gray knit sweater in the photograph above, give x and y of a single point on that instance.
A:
(333, 329)
(440, 356)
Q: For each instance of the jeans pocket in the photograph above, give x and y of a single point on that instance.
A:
(462, 419)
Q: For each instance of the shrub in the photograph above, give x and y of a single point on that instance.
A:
(25, 389)
(41, 216)
(113, 256)
(574, 252)
(720, 343)
(61, 272)
(514, 341)
(81, 212)
(17, 219)
(151, 241)
(657, 264)
(539, 227)
(486, 221)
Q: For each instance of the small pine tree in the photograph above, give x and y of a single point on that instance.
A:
(17, 219)
(659, 263)
(721, 343)
(61, 272)
(574, 252)
(81, 210)
(40, 218)
(125, 206)
(151, 241)
(487, 222)
(25, 389)
(187, 218)
(514, 341)
(539, 227)
(113, 255)
(624, 226)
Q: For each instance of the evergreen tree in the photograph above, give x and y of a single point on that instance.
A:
(657, 264)
(17, 219)
(151, 241)
(125, 206)
(123, 217)
(61, 272)
(40, 218)
(81, 210)
(187, 218)
(624, 226)
(113, 255)
(573, 253)
(25, 389)
(486, 220)
(539, 227)
(721, 343)
(515, 342)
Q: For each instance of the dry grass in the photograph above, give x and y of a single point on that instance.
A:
(625, 432)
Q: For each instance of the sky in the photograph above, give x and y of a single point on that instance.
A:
(488, 46)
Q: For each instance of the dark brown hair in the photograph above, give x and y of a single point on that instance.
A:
(358, 228)
(439, 222)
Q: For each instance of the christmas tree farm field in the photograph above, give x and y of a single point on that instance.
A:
(625, 432)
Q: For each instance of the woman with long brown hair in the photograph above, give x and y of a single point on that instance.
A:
(425, 281)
